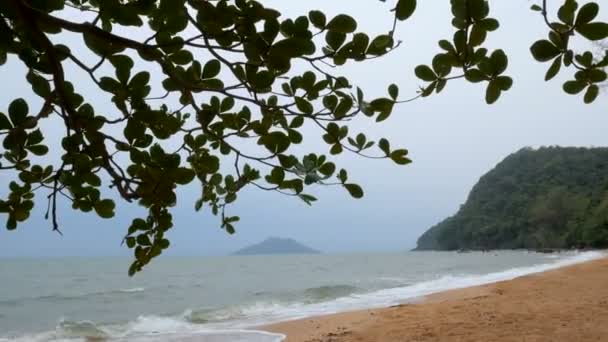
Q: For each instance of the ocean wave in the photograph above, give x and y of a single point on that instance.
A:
(80, 329)
(145, 329)
(263, 313)
(266, 308)
(132, 290)
(58, 297)
(330, 292)
(227, 324)
(237, 313)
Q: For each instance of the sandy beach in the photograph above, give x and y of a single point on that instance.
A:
(567, 304)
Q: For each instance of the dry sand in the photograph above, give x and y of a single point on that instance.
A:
(568, 304)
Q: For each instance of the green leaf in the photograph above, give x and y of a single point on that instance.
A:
(566, 11)
(554, 69)
(17, 111)
(275, 142)
(183, 175)
(105, 208)
(38, 150)
(544, 51)
(492, 92)
(11, 223)
(164, 243)
(478, 9)
(123, 65)
(385, 146)
(592, 93)
(4, 122)
(304, 106)
(345, 105)
(399, 157)
(393, 91)
(109, 84)
(182, 57)
(308, 199)
(489, 24)
(380, 45)
(587, 13)
(230, 229)
(342, 23)
(478, 35)
(504, 82)
(34, 138)
(318, 19)
(500, 61)
(425, 73)
(354, 190)
(130, 242)
(405, 9)
(335, 39)
(39, 84)
(593, 31)
(143, 240)
(574, 87)
(140, 80)
(475, 76)
(211, 68)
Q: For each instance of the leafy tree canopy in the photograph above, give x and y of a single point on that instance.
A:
(230, 65)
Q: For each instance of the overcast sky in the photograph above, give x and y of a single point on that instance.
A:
(453, 138)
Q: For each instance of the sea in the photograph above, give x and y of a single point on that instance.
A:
(218, 299)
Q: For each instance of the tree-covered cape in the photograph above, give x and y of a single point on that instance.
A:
(552, 197)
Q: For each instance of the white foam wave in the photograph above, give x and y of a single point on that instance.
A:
(149, 329)
(181, 328)
(132, 290)
(156, 329)
(264, 313)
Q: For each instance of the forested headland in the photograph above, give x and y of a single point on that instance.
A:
(551, 197)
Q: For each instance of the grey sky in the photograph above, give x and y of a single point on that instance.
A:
(453, 138)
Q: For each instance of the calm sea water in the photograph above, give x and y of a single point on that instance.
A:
(219, 299)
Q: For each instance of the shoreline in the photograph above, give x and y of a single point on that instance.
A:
(568, 303)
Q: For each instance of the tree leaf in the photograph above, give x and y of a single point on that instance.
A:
(591, 94)
(544, 51)
(475, 76)
(385, 146)
(399, 157)
(303, 105)
(393, 91)
(425, 73)
(17, 111)
(405, 9)
(587, 13)
(492, 92)
(4, 122)
(354, 190)
(342, 23)
(38, 150)
(211, 68)
(500, 61)
(574, 87)
(593, 31)
(105, 208)
(554, 69)
(318, 19)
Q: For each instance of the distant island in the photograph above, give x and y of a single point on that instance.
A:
(277, 246)
(547, 198)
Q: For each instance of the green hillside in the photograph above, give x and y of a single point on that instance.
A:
(552, 197)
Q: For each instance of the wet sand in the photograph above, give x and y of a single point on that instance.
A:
(568, 304)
